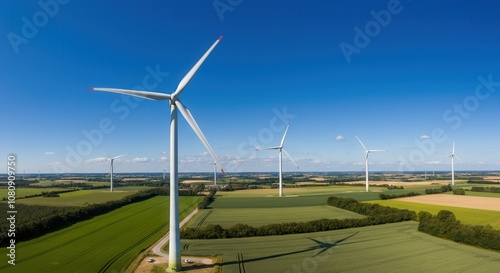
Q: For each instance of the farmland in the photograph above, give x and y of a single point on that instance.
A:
(106, 243)
(98, 245)
(385, 248)
(465, 215)
(387, 245)
(263, 216)
(79, 198)
(23, 192)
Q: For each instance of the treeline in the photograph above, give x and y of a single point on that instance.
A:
(385, 196)
(372, 210)
(445, 225)
(486, 189)
(439, 190)
(72, 185)
(482, 182)
(40, 220)
(376, 215)
(459, 191)
(208, 199)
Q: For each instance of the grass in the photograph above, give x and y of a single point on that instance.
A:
(263, 216)
(385, 248)
(23, 192)
(106, 243)
(315, 190)
(78, 198)
(465, 215)
(482, 194)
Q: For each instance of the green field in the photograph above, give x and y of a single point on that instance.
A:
(465, 215)
(22, 192)
(263, 216)
(106, 243)
(384, 248)
(78, 198)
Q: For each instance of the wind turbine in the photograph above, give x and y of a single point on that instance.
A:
(111, 160)
(215, 174)
(367, 152)
(280, 159)
(174, 243)
(164, 171)
(452, 155)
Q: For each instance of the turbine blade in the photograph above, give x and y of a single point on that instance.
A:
(458, 158)
(268, 148)
(360, 142)
(190, 119)
(287, 154)
(184, 82)
(377, 151)
(453, 151)
(141, 94)
(284, 135)
(120, 156)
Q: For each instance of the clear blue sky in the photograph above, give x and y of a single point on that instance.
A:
(408, 76)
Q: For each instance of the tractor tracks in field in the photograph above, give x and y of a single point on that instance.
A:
(241, 263)
(203, 219)
(119, 255)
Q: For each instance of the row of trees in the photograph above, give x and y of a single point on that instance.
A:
(445, 225)
(439, 190)
(459, 191)
(376, 215)
(208, 199)
(486, 189)
(372, 210)
(34, 221)
(471, 181)
(385, 196)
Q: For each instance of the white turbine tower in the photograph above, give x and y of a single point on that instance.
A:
(174, 244)
(367, 152)
(280, 159)
(215, 173)
(111, 161)
(452, 155)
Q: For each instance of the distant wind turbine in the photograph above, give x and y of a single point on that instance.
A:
(280, 159)
(367, 152)
(164, 171)
(174, 263)
(111, 160)
(215, 173)
(452, 155)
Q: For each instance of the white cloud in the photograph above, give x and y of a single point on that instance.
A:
(49, 153)
(140, 160)
(163, 159)
(339, 138)
(434, 162)
(425, 137)
(96, 160)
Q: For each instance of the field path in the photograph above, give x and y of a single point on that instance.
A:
(157, 247)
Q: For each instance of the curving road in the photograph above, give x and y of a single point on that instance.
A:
(157, 247)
